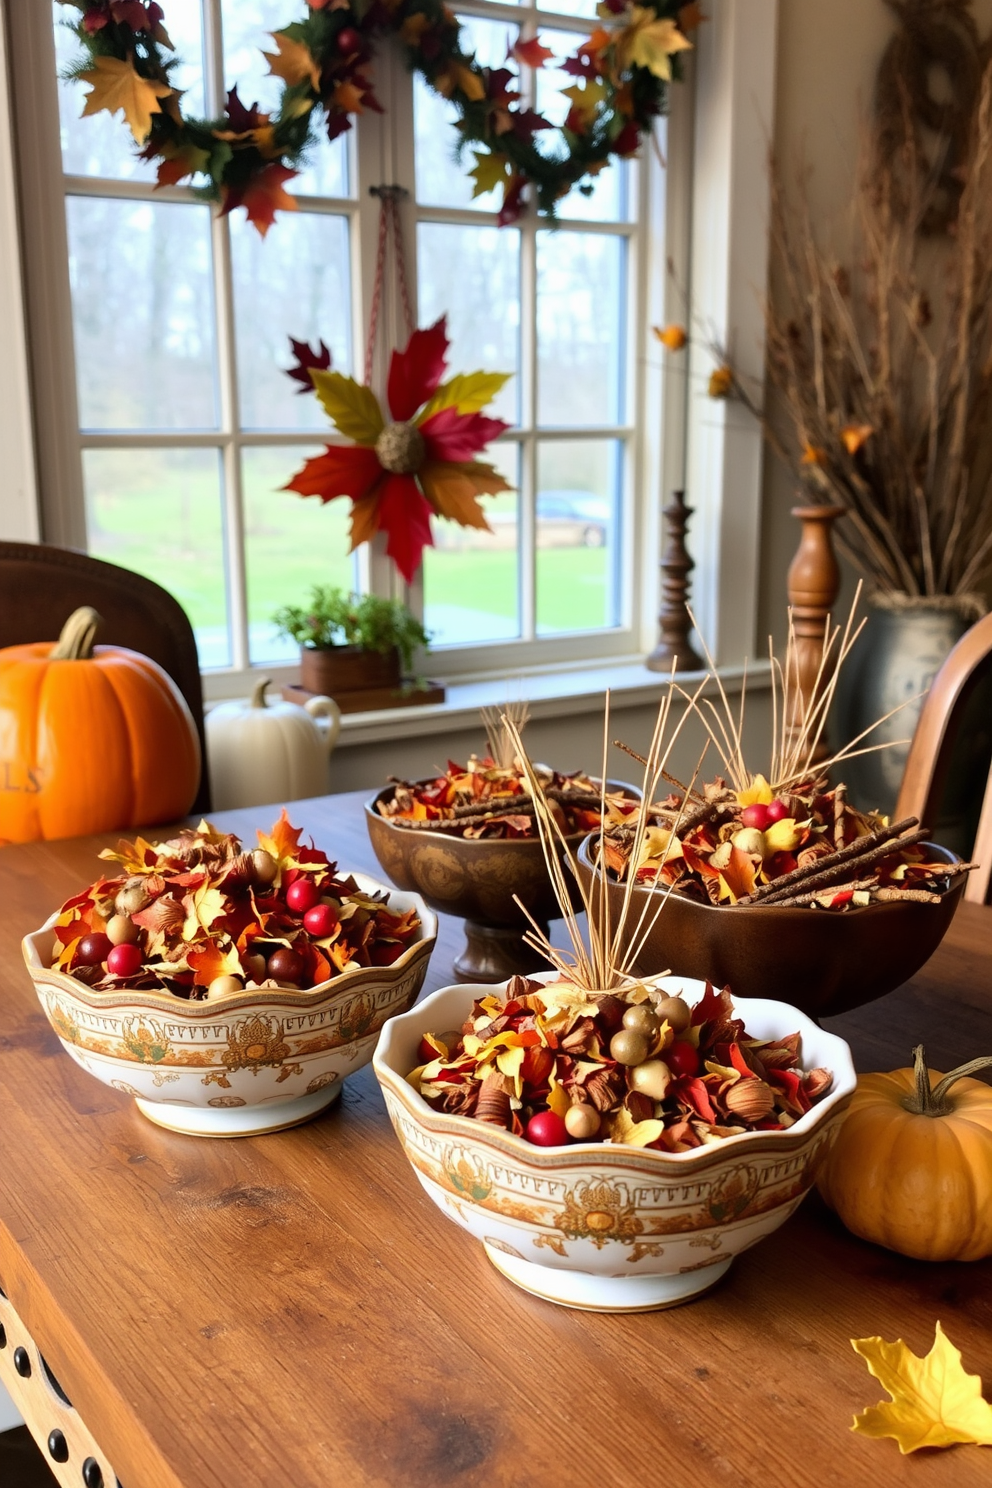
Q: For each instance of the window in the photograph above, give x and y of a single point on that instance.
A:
(187, 427)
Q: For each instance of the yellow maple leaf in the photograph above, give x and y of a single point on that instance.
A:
(490, 171)
(294, 62)
(586, 97)
(348, 98)
(758, 793)
(649, 42)
(353, 407)
(466, 392)
(934, 1402)
(114, 85)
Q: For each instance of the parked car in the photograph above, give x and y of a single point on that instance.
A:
(565, 519)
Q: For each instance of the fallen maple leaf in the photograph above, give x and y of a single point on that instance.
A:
(114, 85)
(263, 196)
(294, 62)
(490, 170)
(308, 360)
(934, 1402)
(650, 42)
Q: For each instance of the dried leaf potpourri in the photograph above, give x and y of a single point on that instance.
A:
(201, 918)
(641, 1068)
(804, 847)
(486, 799)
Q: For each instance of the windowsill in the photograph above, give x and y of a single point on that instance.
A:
(549, 694)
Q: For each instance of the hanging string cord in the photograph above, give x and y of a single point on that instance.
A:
(389, 218)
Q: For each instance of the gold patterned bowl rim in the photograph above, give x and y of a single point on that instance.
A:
(324, 994)
(579, 1156)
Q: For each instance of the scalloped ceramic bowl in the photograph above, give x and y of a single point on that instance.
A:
(601, 1227)
(254, 1063)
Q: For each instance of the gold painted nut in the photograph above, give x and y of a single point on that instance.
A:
(224, 986)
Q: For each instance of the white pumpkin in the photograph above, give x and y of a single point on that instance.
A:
(260, 752)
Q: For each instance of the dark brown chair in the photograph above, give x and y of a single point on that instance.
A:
(933, 742)
(40, 586)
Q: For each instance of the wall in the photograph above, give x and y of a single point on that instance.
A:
(828, 54)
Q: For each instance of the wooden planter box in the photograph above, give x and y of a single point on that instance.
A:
(358, 681)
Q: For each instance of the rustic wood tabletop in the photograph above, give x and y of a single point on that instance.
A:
(292, 1310)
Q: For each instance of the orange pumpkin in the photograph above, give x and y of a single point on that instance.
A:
(911, 1167)
(90, 738)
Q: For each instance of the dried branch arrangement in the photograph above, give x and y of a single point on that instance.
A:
(884, 364)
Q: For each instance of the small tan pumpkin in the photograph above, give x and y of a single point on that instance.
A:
(911, 1168)
(260, 751)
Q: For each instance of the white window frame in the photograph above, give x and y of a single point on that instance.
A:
(720, 145)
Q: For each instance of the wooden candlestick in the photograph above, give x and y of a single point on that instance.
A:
(674, 646)
(813, 582)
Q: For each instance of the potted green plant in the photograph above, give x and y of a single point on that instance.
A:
(350, 642)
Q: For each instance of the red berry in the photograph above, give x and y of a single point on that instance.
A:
(681, 1058)
(124, 960)
(756, 815)
(547, 1130)
(302, 895)
(777, 811)
(320, 921)
(286, 965)
(348, 40)
(93, 949)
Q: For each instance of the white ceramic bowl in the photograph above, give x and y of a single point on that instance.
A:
(257, 1062)
(603, 1227)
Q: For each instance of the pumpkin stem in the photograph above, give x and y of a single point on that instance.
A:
(78, 634)
(258, 696)
(927, 1101)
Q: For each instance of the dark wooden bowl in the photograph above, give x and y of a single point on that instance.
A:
(475, 879)
(820, 962)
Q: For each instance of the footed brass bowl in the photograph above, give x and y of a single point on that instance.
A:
(475, 879)
(822, 962)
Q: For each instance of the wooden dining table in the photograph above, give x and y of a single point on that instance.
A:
(291, 1311)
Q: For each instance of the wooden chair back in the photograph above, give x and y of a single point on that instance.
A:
(40, 586)
(933, 741)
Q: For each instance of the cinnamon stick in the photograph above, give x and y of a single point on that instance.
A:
(810, 897)
(843, 856)
(828, 876)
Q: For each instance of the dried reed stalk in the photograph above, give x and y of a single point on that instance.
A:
(885, 366)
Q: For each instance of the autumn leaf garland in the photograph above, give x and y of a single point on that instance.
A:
(247, 157)
(415, 463)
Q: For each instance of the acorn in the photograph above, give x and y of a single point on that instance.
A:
(132, 897)
(643, 1017)
(674, 1011)
(253, 965)
(265, 866)
(121, 930)
(286, 965)
(630, 1046)
(224, 986)
(749, 840)
(651, 1078)
(582, 1122)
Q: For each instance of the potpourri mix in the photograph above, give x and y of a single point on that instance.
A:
(486, 799)
(805, 847)
(201, 918)
(556, 1064)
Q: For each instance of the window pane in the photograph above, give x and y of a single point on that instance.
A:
(291, 543)
(143, 314)
(580, 295)
(473, 273)
(578, 516)
(471, 586)
(159, 513)
(443, 178)
(102, 145)
(295, 281)
(571, 7)
(248, 27)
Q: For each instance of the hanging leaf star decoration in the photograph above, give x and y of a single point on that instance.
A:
(935, 1403)
(413, 461)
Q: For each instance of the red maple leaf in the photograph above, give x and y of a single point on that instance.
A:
(95, 19)
(628, 140)
(405, 515)
(450, 435)
(343, 470)
(531, 52)
(131, 13)
(415, 373)
(306, 358)
(512, 202)
(526, 122)
(262, 196)
(241, 119)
